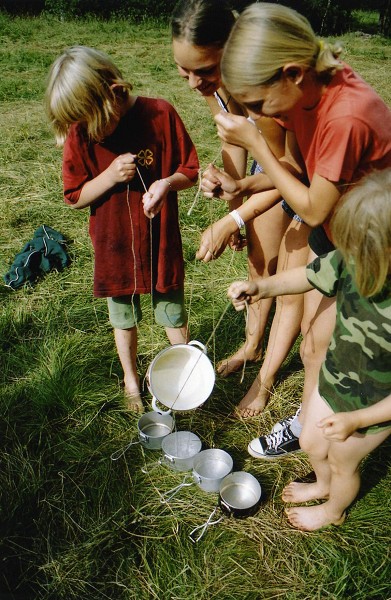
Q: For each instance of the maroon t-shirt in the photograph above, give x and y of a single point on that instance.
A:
(120, 232)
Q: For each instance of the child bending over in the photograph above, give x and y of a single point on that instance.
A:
(349, 414)
(125, 157)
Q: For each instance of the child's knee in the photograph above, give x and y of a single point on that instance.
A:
(340, 465)
(312, 445)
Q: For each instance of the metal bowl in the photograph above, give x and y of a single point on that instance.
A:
(240, 494)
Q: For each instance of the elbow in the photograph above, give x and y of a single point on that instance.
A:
(312, 221)
(313, 215)
(75, 204)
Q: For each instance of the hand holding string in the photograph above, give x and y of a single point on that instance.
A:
(123, 168)
(154, 198)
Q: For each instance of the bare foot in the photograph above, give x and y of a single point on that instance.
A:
(311, 518)
(234, 363)
(133, 398)
(297, 492)
(254, 401)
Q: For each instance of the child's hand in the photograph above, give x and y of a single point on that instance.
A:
(154, 198)
(237, 130)
(237, 241)
(242, 293)
(216, 183)
(215, 238)
(339, 426)
(123, 168)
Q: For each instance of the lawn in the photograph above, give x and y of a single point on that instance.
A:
(76, 524)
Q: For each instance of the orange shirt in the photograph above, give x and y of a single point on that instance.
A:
(347, 134)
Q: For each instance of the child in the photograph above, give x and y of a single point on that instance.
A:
(350, 413)
(125, 157)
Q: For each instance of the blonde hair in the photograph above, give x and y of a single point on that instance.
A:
(79, 90)
(268, 36)
(361, 229)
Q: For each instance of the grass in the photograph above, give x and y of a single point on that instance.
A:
(74, 523)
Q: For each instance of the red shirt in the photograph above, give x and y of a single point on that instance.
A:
(347, 134)
(120, 232)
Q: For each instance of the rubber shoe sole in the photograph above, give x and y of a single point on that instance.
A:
(279, 449)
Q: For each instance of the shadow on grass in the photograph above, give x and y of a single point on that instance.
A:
(375, 468)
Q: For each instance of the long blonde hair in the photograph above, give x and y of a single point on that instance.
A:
(361, 229)
(268, 36)
(80, 90)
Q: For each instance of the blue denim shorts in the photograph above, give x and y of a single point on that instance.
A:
(169, 310)
(256, 168)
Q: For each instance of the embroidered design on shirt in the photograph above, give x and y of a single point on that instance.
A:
(145, 157)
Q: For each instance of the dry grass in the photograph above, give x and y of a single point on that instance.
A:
(76, 524)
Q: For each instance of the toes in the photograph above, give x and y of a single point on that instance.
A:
(287, 492)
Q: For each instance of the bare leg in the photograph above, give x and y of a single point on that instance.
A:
(286, 323)
(264, 234)
(177, 335)
(343, 460)
(317, 447)
(317, 327)
(126, 342)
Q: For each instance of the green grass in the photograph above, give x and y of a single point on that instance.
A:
(74, 523)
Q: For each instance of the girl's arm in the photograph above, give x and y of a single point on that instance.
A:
(233, 184)
(234, 157)
(216, 237)
(121, 170)
(313, 203)
(293, 281)
(340, 426)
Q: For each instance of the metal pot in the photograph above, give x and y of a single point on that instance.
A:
(240, 494)
(209, 469)
(153, 427)
(179, 450)
(181, 377)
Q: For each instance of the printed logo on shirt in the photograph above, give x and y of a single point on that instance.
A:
(145, 157)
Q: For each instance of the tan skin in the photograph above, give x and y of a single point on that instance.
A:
(314, 203)
(200, 66)
(297, 87)
(336, 454)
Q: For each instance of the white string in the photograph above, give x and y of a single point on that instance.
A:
(142, 180)
(151, 253)
(133, 253)
(246, 333)
(197, 194)
(199, 184)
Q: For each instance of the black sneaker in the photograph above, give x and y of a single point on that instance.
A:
(285, 422)
(275, 445)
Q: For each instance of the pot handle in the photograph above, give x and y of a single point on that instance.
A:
(199, 344)
(204, 526)
(147, 467)
(226, 507)
(166, 497)
(118, 453)
(157, 409)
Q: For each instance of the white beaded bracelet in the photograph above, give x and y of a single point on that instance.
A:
(237, 218)
(169, 183)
